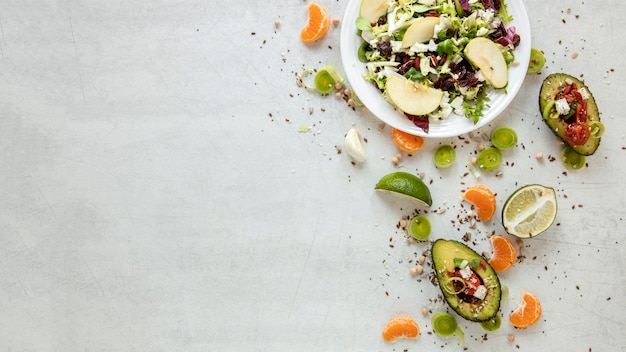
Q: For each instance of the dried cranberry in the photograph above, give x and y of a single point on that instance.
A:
(406, 66)
(444, 83)
(516, 40)
(385, 49)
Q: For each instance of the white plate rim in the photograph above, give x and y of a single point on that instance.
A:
(454, 125)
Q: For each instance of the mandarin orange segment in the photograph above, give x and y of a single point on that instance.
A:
(401, 326)
(406, 141)
(528, 312)
(483, 199)
(317, 24)
(504, 253)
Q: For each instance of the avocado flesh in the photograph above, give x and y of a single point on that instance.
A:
(551, 86)
(444, 253)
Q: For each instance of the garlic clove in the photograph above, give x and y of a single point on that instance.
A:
(354, 147)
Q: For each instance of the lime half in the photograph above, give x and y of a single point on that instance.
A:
(529, 211)
(406, 185)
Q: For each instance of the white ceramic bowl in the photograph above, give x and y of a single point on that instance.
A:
(454, 125)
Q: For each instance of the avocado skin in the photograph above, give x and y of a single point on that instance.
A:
(443, 253)
(549, 88)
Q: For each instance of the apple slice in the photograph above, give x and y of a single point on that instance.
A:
(487, 57)
(421, 31)
(373, 9)
(411, 97)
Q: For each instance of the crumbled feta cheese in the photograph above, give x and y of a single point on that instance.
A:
(457, 105)
(562, 107)
(423, 47)
(445, 108)
(584, 93)
(482, 31)
(495, 23)
(486, 15)
(443, 25)
(480, 76)
(465, 272)
(481, 292)
(396, 45)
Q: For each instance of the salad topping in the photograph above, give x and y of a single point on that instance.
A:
(570, 104)
(425, 41)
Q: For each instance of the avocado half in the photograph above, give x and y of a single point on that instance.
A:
(552, 85)
(445, 255)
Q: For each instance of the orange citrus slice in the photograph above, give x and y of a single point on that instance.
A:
(401, 326)
(482, 199)
(317, 24)
(528, 312)
(406, 141)
(504, 253)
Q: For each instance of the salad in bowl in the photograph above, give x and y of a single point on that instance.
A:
(444, 66)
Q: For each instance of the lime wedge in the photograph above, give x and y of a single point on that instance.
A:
(529, 211)
(405, 185)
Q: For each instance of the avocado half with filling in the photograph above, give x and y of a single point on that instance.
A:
(553, 85)
(468, 283)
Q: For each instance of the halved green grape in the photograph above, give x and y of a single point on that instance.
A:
(571, 159)
(537, 60)
(492, 324)
(419, 227)
(503, 138)
(489, 159)
(444, 156)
